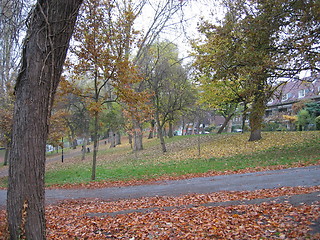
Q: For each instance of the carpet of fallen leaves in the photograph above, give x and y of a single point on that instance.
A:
(212, 145)
(184, 217)
(230, 145)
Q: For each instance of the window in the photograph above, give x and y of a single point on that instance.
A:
(270, 101)
(285, 97)
(302, 93)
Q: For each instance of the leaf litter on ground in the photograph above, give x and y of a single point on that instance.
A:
(187, 219)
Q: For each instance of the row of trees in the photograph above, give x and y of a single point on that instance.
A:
(111, 66)
(116, 72)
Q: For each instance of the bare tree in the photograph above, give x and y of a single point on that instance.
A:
(11, 19)
(50, 26)
(161, 19)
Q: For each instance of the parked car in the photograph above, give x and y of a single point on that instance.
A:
(237, 130)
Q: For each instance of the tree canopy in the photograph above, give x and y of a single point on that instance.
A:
(255, 44)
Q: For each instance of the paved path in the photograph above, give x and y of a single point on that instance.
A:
(293, 177)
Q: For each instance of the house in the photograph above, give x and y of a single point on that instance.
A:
(291, 92)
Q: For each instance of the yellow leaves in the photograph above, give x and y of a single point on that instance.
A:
(233, 144)
(95, 107)
(290, 118)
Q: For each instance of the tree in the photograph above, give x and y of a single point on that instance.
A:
(50, 27)
(104, 38)
(11, 25)
(303, 119)
(257, 43)
(163, 13)
(221, 95)
(169, 84)
(6, 114)
(313, 108)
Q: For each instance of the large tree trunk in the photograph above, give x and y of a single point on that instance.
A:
(44, 52)
(256, 117)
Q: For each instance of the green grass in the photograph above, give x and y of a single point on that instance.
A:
(307, 152)
(121, 164)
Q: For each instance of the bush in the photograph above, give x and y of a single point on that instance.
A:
(270, 126)
(303, 119)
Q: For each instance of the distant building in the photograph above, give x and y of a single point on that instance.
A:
(292, 92)
(295, 90)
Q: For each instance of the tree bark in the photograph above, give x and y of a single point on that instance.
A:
(6, 156)
(50, 28)
(256, 117)
(151, 132)
(112, 139)
(95, 145)
(84, 147)
(170, 132)
(244, 117)
(130, 139)
(137, 136)
(160, 133)
(118, 138)
(226, 120)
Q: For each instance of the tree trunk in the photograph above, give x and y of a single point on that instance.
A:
(256, 117)
(170, 132)
(160, 133)
(137, 136)
(183, 132)
(95, 145)
(151, 133)
(112, 139)
(130, 139)
(44, 51)
(84, 147)
(226, 120)
(229, 126)
(244, 117)
(6, 156)
(118, 138)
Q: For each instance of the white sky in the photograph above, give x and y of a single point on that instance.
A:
(191, 14)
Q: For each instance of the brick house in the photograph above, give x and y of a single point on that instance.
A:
(292, 92)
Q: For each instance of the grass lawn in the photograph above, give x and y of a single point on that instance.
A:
(226, 152)
(217, 153)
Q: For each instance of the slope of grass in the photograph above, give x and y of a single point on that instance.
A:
(217, 153)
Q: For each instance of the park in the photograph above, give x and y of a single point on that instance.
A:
(153, 119)
(151, 211)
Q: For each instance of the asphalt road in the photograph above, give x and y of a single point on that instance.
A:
(293, 177)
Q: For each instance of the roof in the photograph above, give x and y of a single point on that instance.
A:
(296, 90)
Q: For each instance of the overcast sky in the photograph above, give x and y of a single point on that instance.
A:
(191, 14)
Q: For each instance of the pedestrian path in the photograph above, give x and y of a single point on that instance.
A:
(292, 177)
